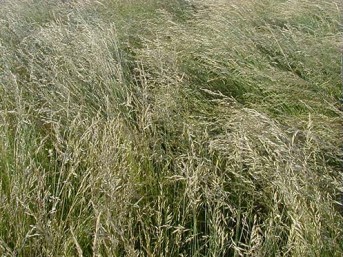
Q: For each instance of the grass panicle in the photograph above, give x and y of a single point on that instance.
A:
(170, 128)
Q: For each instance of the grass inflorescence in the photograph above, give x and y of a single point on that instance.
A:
(170, 128)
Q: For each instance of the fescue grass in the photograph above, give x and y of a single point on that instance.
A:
(170, 128)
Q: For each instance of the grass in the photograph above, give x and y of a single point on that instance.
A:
(170, 128)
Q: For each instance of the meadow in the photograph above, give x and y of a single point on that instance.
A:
(171, 128)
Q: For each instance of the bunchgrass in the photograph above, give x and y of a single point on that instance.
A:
(170, 128)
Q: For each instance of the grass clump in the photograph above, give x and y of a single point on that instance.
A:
(179, 128)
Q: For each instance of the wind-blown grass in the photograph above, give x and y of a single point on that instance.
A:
(170, 128)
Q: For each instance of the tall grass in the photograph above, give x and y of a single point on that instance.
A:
(170, 128)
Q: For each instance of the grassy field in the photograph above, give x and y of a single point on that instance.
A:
(170, 128)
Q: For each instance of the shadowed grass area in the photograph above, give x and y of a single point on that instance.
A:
(170, 128)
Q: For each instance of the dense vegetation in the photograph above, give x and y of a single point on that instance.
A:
(170, 128)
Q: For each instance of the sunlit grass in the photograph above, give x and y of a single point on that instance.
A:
(170, 128)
